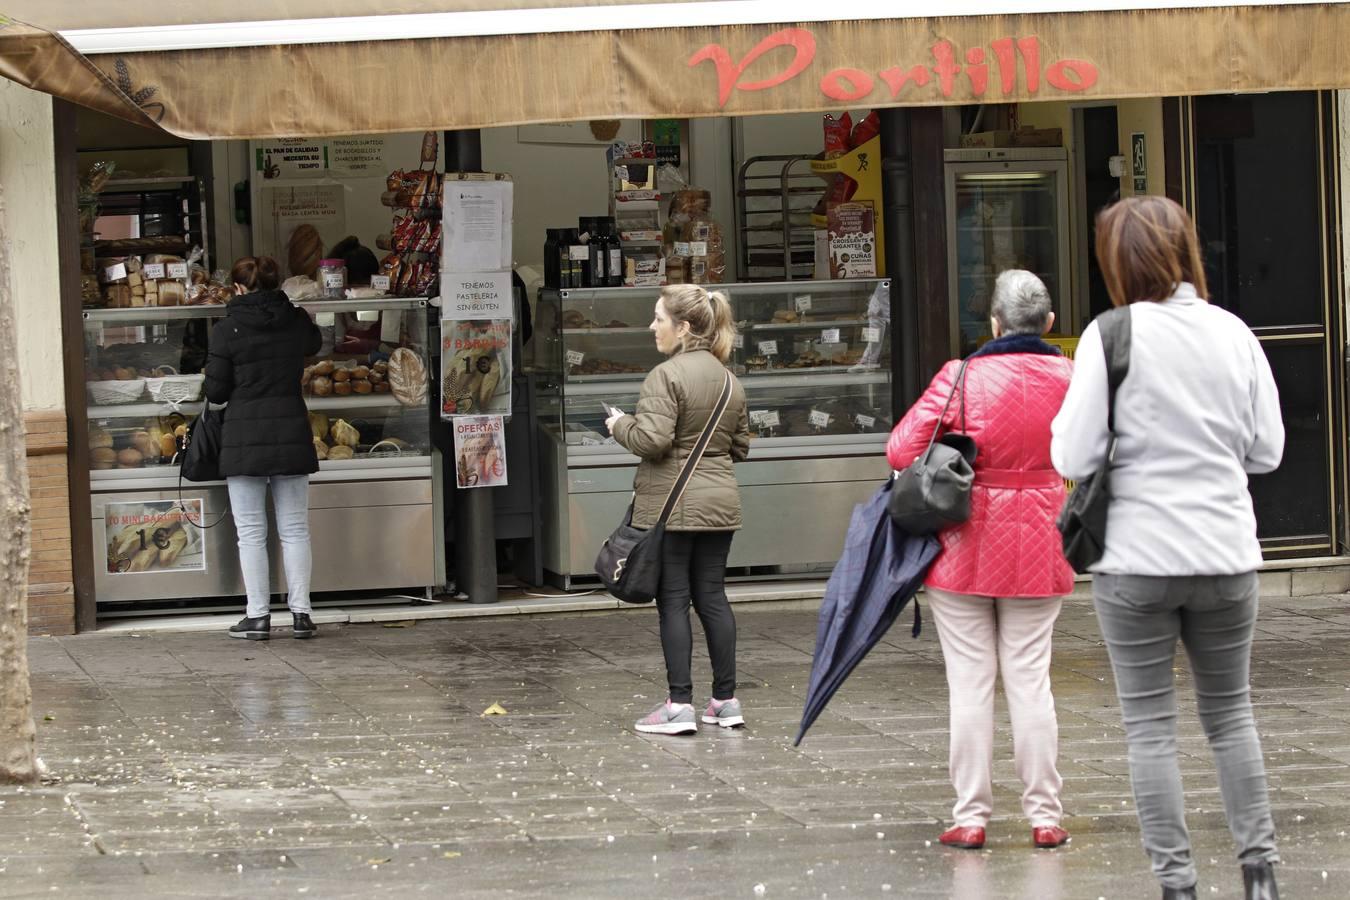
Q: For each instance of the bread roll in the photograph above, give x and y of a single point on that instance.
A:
(148, 448)
(320, 449)
(360, 373)
(341, 452)
(342, 388)
(361, 386)
(380, 388)
(168, 447)
(323, 367)
(99, 437)
(130, 458)
(102, 457)
(322, 385)
(340, 375)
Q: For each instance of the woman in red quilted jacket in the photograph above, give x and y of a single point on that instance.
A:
(996, 587)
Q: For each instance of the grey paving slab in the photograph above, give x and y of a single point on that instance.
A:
(359, 765)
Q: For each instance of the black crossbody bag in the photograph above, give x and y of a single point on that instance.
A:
(1082, 522)
(629, 562)
(933, 492)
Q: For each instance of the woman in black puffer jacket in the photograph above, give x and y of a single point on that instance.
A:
(257, 357)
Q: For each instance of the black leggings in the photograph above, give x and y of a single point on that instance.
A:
(693, 566)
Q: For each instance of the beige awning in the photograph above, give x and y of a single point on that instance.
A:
(244, 68)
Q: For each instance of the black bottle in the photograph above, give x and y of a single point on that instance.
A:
(570, 253)
(586, 235)
(551, 258)
(613, 253)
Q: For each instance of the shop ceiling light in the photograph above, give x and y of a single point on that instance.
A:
(633, 16)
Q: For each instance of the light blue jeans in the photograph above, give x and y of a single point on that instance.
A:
(248, 504)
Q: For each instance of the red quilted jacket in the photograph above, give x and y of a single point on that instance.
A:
(1010, 546)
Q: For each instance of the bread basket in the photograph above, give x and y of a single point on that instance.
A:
(114, 393)
(174, 388)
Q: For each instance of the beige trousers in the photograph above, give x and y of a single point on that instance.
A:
(980, 635)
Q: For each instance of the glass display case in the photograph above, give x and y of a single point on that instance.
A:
(370, 502)
(814, 359)
(1006, 209)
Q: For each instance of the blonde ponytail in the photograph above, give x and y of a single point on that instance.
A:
(708, 314)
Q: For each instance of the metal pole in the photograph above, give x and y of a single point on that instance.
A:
(898, 215)
(475, 532)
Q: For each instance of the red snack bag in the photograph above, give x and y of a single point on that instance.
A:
(865, 130)
(837, 132)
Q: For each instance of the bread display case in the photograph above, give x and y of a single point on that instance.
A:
(372, 523)
(814, 358)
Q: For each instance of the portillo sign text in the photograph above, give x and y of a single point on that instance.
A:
(793, 50)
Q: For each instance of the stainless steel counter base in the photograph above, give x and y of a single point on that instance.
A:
(795, 510)
(366, 535)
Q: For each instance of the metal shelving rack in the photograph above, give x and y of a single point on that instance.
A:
(172, 208)
(778, 249)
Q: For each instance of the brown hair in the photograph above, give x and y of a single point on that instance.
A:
(708, 315)
(1146, 247)
(257, 273)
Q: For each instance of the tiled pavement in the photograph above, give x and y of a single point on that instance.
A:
(358, 765)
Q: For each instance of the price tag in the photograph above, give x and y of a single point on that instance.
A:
(738, 341)
(829, 336)
(757, 416)
(698, 248)
(871, 335)
(768, 348)
(574, 358)
(770, 419)
(682, 248)
(334, 280)
(115, 273)
(865, 421)
(379, 282)
(819, 419)
(153, 271)
(178, 270)
(802, 303)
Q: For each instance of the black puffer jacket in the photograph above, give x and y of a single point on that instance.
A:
(257, 357)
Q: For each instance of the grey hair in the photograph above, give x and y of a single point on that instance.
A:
(1021, 302)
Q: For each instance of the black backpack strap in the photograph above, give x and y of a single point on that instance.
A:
(1115, 333)
(691, 463)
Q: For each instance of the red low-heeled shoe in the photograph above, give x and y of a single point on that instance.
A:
(967, 837)
(1048, 837)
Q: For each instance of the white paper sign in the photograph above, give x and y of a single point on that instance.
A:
(483, 295)
(682, 248)
(768, 348)
(698, 248)
(115, 273)
(865, 421)
(334, 280)
(829, 336)
(757, 416)
(153, 271)
(738, 341)
(770, 419)
(803, 303)
(819, 419)
(476, 224)
(480, 451)
(178, 270)
(575, 358)
(379, 282)
(871, 335)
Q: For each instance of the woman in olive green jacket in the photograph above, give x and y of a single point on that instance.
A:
(695, 329)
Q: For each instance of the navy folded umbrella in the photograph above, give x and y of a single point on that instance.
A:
(879, 572)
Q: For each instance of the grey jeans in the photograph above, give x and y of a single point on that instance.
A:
(248, 505)
(1214, 616)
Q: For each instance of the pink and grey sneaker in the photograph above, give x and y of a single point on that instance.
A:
(669, 718)
(726, 713)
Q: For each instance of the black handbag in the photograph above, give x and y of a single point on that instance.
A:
(933, 493)
(1082, 522)
(629, 562)
(199, 458)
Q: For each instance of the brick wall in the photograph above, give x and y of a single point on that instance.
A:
(51, 592)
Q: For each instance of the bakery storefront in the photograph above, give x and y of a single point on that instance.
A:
(853, 185)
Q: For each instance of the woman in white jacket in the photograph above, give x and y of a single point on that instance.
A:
(1196, 413)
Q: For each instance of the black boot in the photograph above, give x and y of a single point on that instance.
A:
(1186, 893)
(259, 629)
(1258, 880)
(304, 626)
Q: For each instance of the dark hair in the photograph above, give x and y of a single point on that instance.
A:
(257, 273)
(360, 261)
(1146, 247)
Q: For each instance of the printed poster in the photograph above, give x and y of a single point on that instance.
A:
(475, 367)
(154, 536)
(480, 451)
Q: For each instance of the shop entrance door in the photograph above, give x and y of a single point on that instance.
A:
(1263, 196)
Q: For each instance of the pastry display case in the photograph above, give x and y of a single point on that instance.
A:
(814, 359)
(371, 513)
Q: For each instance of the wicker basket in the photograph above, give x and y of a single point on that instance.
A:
(175, 389)
(113, 393)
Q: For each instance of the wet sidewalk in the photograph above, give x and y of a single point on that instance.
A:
(360, 765)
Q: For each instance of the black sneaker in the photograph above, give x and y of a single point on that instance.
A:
(304, 626)
(259, 629)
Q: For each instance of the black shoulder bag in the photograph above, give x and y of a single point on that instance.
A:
(1082, 522)
(934, 492)
(629, 562)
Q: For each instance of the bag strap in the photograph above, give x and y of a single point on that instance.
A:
(958, 385)
(1115, 333)
(182, 504)
(691, 463)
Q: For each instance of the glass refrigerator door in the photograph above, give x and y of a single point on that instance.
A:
(1003, 217)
